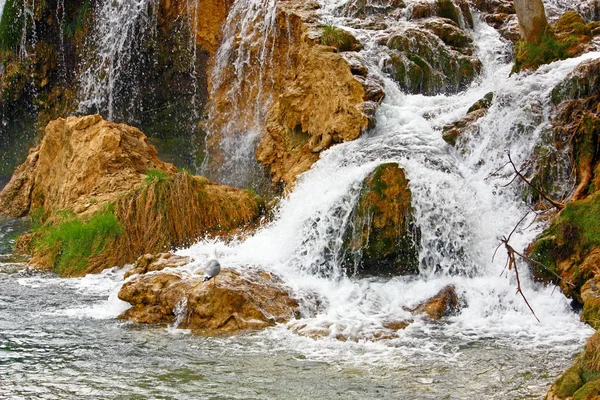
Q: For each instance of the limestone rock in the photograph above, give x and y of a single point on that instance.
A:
(238, 302)
(421, 62)
(81, 163)
(532, 19)
(453, 131)
(156, 262)
(441, 305)
(382, 238)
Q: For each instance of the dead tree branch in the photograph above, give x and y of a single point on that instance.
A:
(559, 206)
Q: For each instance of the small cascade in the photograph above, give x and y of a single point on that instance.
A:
(180, 313)
(242, 85)
(122, 27)
(2, 3)
(60, 17)
(461, 201)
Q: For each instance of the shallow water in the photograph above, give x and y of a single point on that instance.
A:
(59, 340)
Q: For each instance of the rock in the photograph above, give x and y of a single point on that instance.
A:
(81, 163)
(466, 125)
(382, 238)
(310, 99)
(582, 380)
(443, 304)
(339, 38)
(422, 63)
(532, 20)
(590, 295)
(156, 262)
(362, 9)
(240, 301)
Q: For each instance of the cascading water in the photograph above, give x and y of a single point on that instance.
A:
(461, 207)
(61, 338)
(242, 80)
(2, 2)
(121, 27)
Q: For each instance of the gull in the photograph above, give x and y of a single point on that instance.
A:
(212, 269)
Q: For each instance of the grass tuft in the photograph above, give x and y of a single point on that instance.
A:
(155, 175)
(73, 240)
(549, 49)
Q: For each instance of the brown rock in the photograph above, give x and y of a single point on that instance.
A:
(313, 100)
(81, 163)
(532, 19)
(156, 262)
(237, 302)
(442, 304)
(453, 131)
(382, 238)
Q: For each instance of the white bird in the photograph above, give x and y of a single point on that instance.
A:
(212, 269)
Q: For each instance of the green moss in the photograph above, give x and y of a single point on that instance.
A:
(11, 25)
(589, 391)
(569, 382)
(447, 9)
(77, 24)
(531, 55)
(339, 38)
(74, 240)
(584, 215)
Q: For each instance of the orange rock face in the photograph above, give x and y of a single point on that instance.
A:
(238, 302)
(81, 162)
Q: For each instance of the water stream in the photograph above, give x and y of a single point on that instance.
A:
(59, 338)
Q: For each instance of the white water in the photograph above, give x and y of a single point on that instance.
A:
(461, 210)
(2, 2)
(119, 26)
(243, 67)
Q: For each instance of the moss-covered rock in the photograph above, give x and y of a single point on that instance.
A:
(582, 380)
(339, 38)
(568, 37)
(382, 238)
(467, 124)
(421, 62)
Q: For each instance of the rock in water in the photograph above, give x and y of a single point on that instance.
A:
(252, 300)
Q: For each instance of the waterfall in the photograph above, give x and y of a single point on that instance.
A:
(462, 206)
(2, 2)
(121, 28)
(242, 82)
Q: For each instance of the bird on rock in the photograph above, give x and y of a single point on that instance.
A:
(212, 269)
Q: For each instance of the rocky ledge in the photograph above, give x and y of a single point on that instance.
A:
(238, 301)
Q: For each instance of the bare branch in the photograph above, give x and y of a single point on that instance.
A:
(555, 203)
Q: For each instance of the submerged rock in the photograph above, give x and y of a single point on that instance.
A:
(441, 305)
(382, 237)
(237, 302)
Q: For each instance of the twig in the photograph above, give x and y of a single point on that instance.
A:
(512, 263)
(555, 203)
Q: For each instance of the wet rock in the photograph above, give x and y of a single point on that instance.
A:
(590, 293)
(340, 39)
(422, 63)
(365, 8)
(582, 380)
(443, 304)
(466, 125)
(81, 163)
(156, 262)
(382, 238)
(532, 19)
(238, 302)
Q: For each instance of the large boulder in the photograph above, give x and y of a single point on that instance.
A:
(103, 198)
(382, 237)
(81, 163)
(236, 301)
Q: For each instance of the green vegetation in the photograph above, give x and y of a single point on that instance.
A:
(11, 25)
(73, 240)
(549, 49)
(78, 22)
(155, 175)
(339, 38)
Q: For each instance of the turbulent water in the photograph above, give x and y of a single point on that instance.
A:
(60, 338)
